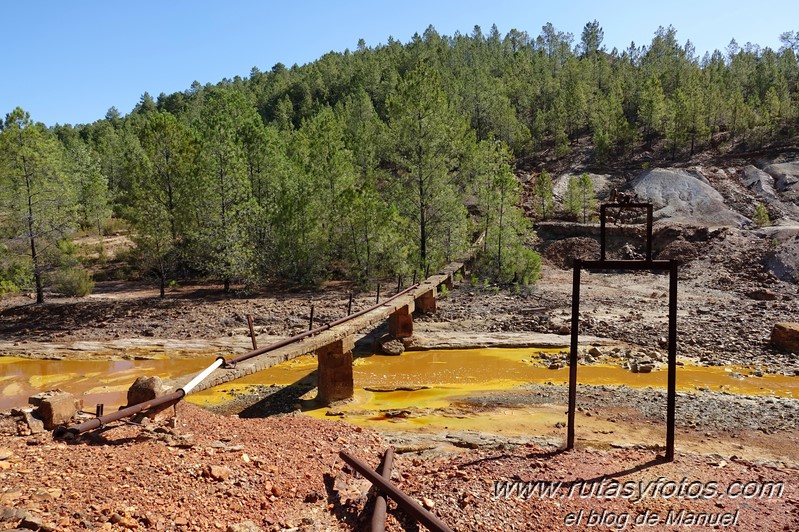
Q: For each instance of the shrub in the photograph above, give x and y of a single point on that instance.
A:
(760, 218)
(74, 281)
(8, 288)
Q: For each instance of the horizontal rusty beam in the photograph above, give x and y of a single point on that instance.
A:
(653, 265)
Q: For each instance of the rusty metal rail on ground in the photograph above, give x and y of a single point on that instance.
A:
(410, 506)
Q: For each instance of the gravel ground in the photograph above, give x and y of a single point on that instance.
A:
(284, 473)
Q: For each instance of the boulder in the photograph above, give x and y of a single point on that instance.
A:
(146, 389)
(685, 196)
(759, 182)
(55, 407)
(785, 336)
(391, 346)
(786, 176)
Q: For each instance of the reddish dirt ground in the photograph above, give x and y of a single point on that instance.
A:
(284, 473)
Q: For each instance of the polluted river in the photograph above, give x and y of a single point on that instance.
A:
(509, 393)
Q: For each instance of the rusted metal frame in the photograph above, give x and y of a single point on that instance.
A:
(625, 206)
(291, 340)
(651, 265)
(310, 321)
(659, 265)
(381, 504)
(413, 508)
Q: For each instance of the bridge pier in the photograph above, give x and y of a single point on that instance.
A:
(334, 376)
(400, 322)
(426, 303)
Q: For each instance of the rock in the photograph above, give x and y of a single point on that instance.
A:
(55, 408)
(428, 503)
(181, 521)
(5, 453)
(391, 346)
(146, 389)
(594, 351)
(786, 175)
(785, 336)
(35, 425)
(759, 181)
(31, 522)
(218, 473)
(762, 294)
(244, 526)
(645, 368)
(682, 195)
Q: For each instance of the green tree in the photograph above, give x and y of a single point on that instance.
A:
(543, 195)
(92, 187)
(580, 199)
(38, 199)
(428, 137)
(223, 199)
(163, 195)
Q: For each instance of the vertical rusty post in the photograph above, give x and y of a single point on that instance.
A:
(377, 297)
(252, 332)
(672, 377)
(602, 214)
(381, 504)
(99, 410)
(399, 282)
(414, 276)
(649, 216)
(427, 271)
(349, 305)
(310, 321)
(575, 326)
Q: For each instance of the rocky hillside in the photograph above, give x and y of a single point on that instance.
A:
(712, 194)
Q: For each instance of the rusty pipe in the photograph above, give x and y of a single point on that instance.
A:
(66, 432)
(306, 334)
(413, 508)
(381, 504)
(95, 423)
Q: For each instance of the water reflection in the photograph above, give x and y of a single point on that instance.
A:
(102, 381)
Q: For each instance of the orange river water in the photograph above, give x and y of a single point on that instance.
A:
(443, 373)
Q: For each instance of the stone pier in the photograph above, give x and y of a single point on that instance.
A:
(334, 377)
(400, 323)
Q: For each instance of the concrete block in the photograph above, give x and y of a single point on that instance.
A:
(55, 408)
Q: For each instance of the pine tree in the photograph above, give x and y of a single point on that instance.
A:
(543, 195)
(38, 198)
(428, 137)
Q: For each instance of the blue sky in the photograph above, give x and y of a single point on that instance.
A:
(69, 62)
